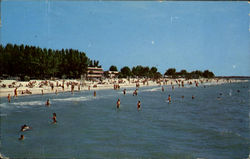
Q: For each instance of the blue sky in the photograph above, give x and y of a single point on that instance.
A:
(183, 35)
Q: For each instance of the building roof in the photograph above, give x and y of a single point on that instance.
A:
(94, 68)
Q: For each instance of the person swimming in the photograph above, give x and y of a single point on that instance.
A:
(138, 105)
(54, 118)
(47, 103)
(118, 103)
(169, 98)
(192, 96)
(25, 127)
(21, 137)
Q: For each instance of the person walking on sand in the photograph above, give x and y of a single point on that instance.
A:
(138, 105)
(118, 103)
(9, 98)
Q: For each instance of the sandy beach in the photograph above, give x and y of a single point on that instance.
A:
(59, 86)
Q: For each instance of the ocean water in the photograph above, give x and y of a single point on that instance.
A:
(206, 127)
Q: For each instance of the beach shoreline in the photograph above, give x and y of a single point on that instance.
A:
(34, 87)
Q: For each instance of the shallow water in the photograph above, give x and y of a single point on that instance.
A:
(91, 127)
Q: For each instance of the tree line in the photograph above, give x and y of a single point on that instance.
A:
(37, 63)
(142, 71)
(171, 72)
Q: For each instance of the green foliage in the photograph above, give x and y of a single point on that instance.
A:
(208, 74)
(93, 63)
(113, 68)
(184, 74)
(35, 62)
(170, 72)
(125, 72)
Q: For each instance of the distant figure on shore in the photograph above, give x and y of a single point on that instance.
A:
(124, 91)
(15, 92)
(25, 127)
(9, 98)
(138, 105)
(162, 89)
(94, 93)
(192, 96)
(21, 137)
(118, 103)
(42, 91)
(72, 88)
(79, 87)
(169, 98)
(56, 92)
(89, 88)
(54, 118)
(47, 103)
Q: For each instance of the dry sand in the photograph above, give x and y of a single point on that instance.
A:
(36, 86)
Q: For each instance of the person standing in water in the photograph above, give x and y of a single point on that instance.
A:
(47, 103)
(94, 93)
(138, 105)
(118, 103)
(15, 92)
(9, 98)
(169, 98)
(54, 118)
(124, 91)
(162, 89)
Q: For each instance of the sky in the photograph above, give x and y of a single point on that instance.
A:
(183, 35)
